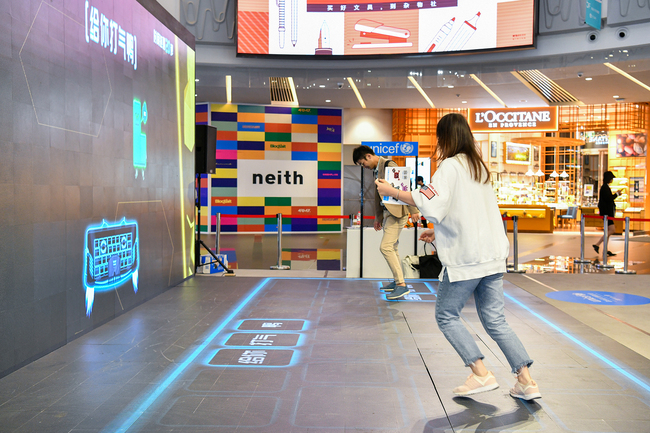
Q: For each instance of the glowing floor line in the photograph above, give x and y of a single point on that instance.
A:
(179, 370)
(607, 361)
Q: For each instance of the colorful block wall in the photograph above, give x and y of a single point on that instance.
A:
(252, 132)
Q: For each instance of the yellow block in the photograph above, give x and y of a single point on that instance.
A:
(328, 210)
(251, 154)
(225, 173)
(223, 108)
(274, 210)
(250, 201)
(328, 254)
(329, 147)
(250, 136)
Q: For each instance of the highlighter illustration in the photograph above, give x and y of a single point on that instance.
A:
(324, 40)
(294, 22)
(281, 28)
(441, 35)
(468, 28)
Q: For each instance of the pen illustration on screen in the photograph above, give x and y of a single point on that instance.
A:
(324, 40)
(444, 31)
(464, 33)
(394, 36)
(281, 28)
(294, 22)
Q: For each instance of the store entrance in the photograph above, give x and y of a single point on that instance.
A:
(594, 165)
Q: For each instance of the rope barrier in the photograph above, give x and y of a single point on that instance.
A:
(616, 219)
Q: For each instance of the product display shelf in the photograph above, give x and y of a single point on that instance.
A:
(532, 218)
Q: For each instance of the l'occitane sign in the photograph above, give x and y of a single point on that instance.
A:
(513, 119)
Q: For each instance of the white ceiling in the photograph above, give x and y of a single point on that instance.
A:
(383, 83)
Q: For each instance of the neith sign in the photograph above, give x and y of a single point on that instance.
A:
(277, 178)
(273, 179)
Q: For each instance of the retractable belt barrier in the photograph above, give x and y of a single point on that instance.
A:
(604, 264)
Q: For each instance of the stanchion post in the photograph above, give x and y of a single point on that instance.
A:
(582, 242)
(505, 229)
(515, 242)
(217, 236)
(604, 264)
(280, 265)
(626, 247)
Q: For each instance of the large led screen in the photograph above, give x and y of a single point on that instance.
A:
(97, 181)
(376, 27)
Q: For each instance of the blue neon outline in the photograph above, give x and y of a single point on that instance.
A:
(607, 361)
(135, 415)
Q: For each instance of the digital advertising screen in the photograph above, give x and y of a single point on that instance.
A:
(518, 153)
(378, 27)
(99, 125)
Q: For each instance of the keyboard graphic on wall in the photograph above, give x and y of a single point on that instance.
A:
(112, 257)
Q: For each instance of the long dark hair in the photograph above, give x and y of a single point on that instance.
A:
(454, 137)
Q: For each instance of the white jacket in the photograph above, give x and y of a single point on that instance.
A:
(470, 237)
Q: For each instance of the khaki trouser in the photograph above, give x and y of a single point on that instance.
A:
(389, 244)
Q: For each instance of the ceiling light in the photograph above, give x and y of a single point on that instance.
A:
(450, 87)
(588, 79)
(564, 174)
(356, 92)
(554, 174)
(328, 100)
(228, 89)
(615, 96)
(196, 80)
(487, 89)
(464, 102)
(321, 85)
(424, 95)
(539, 173)
(530, 173)
(628, 76)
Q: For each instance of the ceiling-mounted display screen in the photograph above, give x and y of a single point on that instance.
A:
(377, 27)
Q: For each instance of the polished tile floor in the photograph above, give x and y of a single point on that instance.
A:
(308, 350)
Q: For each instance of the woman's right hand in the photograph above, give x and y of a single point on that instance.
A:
(428, 236)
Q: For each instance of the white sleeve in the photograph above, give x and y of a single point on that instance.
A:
(433, 200)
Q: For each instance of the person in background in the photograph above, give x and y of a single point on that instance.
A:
(419, 182)
(390, 217)
(606, 206)
(473, 248)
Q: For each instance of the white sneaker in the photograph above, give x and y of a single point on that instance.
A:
(475, 384)
(529, 391)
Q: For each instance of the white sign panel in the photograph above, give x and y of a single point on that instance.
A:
(277, 178)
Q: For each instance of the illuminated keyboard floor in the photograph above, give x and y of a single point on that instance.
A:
(306, 355)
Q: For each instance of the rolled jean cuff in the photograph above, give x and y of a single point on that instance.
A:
(475, 359)
(525, 364)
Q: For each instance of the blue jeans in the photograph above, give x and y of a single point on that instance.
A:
(488, 295)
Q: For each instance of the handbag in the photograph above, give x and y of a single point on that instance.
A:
(426, 266)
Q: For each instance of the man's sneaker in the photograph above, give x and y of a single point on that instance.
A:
(389, 287)
(475, 384)
(398, 292)
(596, 248)
(529, 391)
(609, 253)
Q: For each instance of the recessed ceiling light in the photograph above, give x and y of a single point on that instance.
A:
(615, 96)
(450, 87)
(369, 70)
(321, 85)
(464, 102)
(328, 100)
(196, 79)
(588, 79)
(523, 100)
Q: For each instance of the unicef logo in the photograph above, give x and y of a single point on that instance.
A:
(406, 148)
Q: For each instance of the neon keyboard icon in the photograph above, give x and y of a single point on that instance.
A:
(112, 256)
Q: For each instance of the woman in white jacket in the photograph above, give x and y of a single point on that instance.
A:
(473, 249)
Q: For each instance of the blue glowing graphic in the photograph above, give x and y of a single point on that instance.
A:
(140, 115)
(595, 297)
(111, 258)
